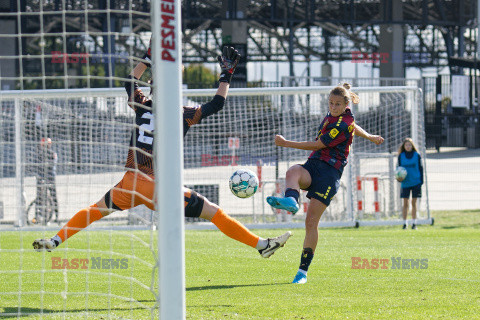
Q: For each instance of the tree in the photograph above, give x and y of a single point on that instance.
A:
(197, 76)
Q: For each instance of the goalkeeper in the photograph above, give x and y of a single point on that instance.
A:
(137, 185)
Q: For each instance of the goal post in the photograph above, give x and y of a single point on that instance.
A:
(168, 156)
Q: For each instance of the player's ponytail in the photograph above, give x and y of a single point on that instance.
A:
(353, 95)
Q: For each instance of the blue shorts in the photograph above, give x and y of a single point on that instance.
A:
(325, 180)
(415, 190)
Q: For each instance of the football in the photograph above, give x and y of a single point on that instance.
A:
(400, 174)
(243, 183)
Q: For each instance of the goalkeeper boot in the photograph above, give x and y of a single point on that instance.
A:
(274, 244)
(300, 278)
(289, 203)
(44, 244)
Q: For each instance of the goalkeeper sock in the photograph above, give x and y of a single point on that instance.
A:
(292, 193)
(261, 244)
(80, 221)
(234, 229)
(57, 240)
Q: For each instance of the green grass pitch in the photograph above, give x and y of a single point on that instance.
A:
(227, 280)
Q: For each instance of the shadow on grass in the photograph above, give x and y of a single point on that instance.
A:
(211, 306)
(231, 286)
(475, 226)
(12, 312)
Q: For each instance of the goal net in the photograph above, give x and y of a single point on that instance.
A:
(90, 131)
(65, 129)
(242, 135)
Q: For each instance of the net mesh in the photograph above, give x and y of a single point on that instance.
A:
(255, 117)
(80, 138)
(91, 135)
(90, 132)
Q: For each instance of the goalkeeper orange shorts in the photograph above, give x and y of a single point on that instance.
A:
(135, 189)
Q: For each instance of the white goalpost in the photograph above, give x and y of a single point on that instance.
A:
(168, 156)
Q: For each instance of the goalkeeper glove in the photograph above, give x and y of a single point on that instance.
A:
(148, 55)
(228, 62)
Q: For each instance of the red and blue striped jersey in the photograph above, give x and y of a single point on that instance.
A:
(336, 133)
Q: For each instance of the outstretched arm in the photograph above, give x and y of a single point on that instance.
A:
(228, 62)
(223, 89)
(364, 134)
(135, 95)
(302, 145)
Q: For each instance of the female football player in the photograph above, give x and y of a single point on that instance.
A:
(137, 185)
(409, 158)
(321, 174)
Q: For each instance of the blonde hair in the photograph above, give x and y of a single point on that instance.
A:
(402, 146)
(343, 90)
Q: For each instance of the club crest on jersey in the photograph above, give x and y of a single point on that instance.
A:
(333, 133)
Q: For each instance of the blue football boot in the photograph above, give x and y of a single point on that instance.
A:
(300, 278)
(288, 204)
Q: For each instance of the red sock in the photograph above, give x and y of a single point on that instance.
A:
(234, 229)
(80, 221)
